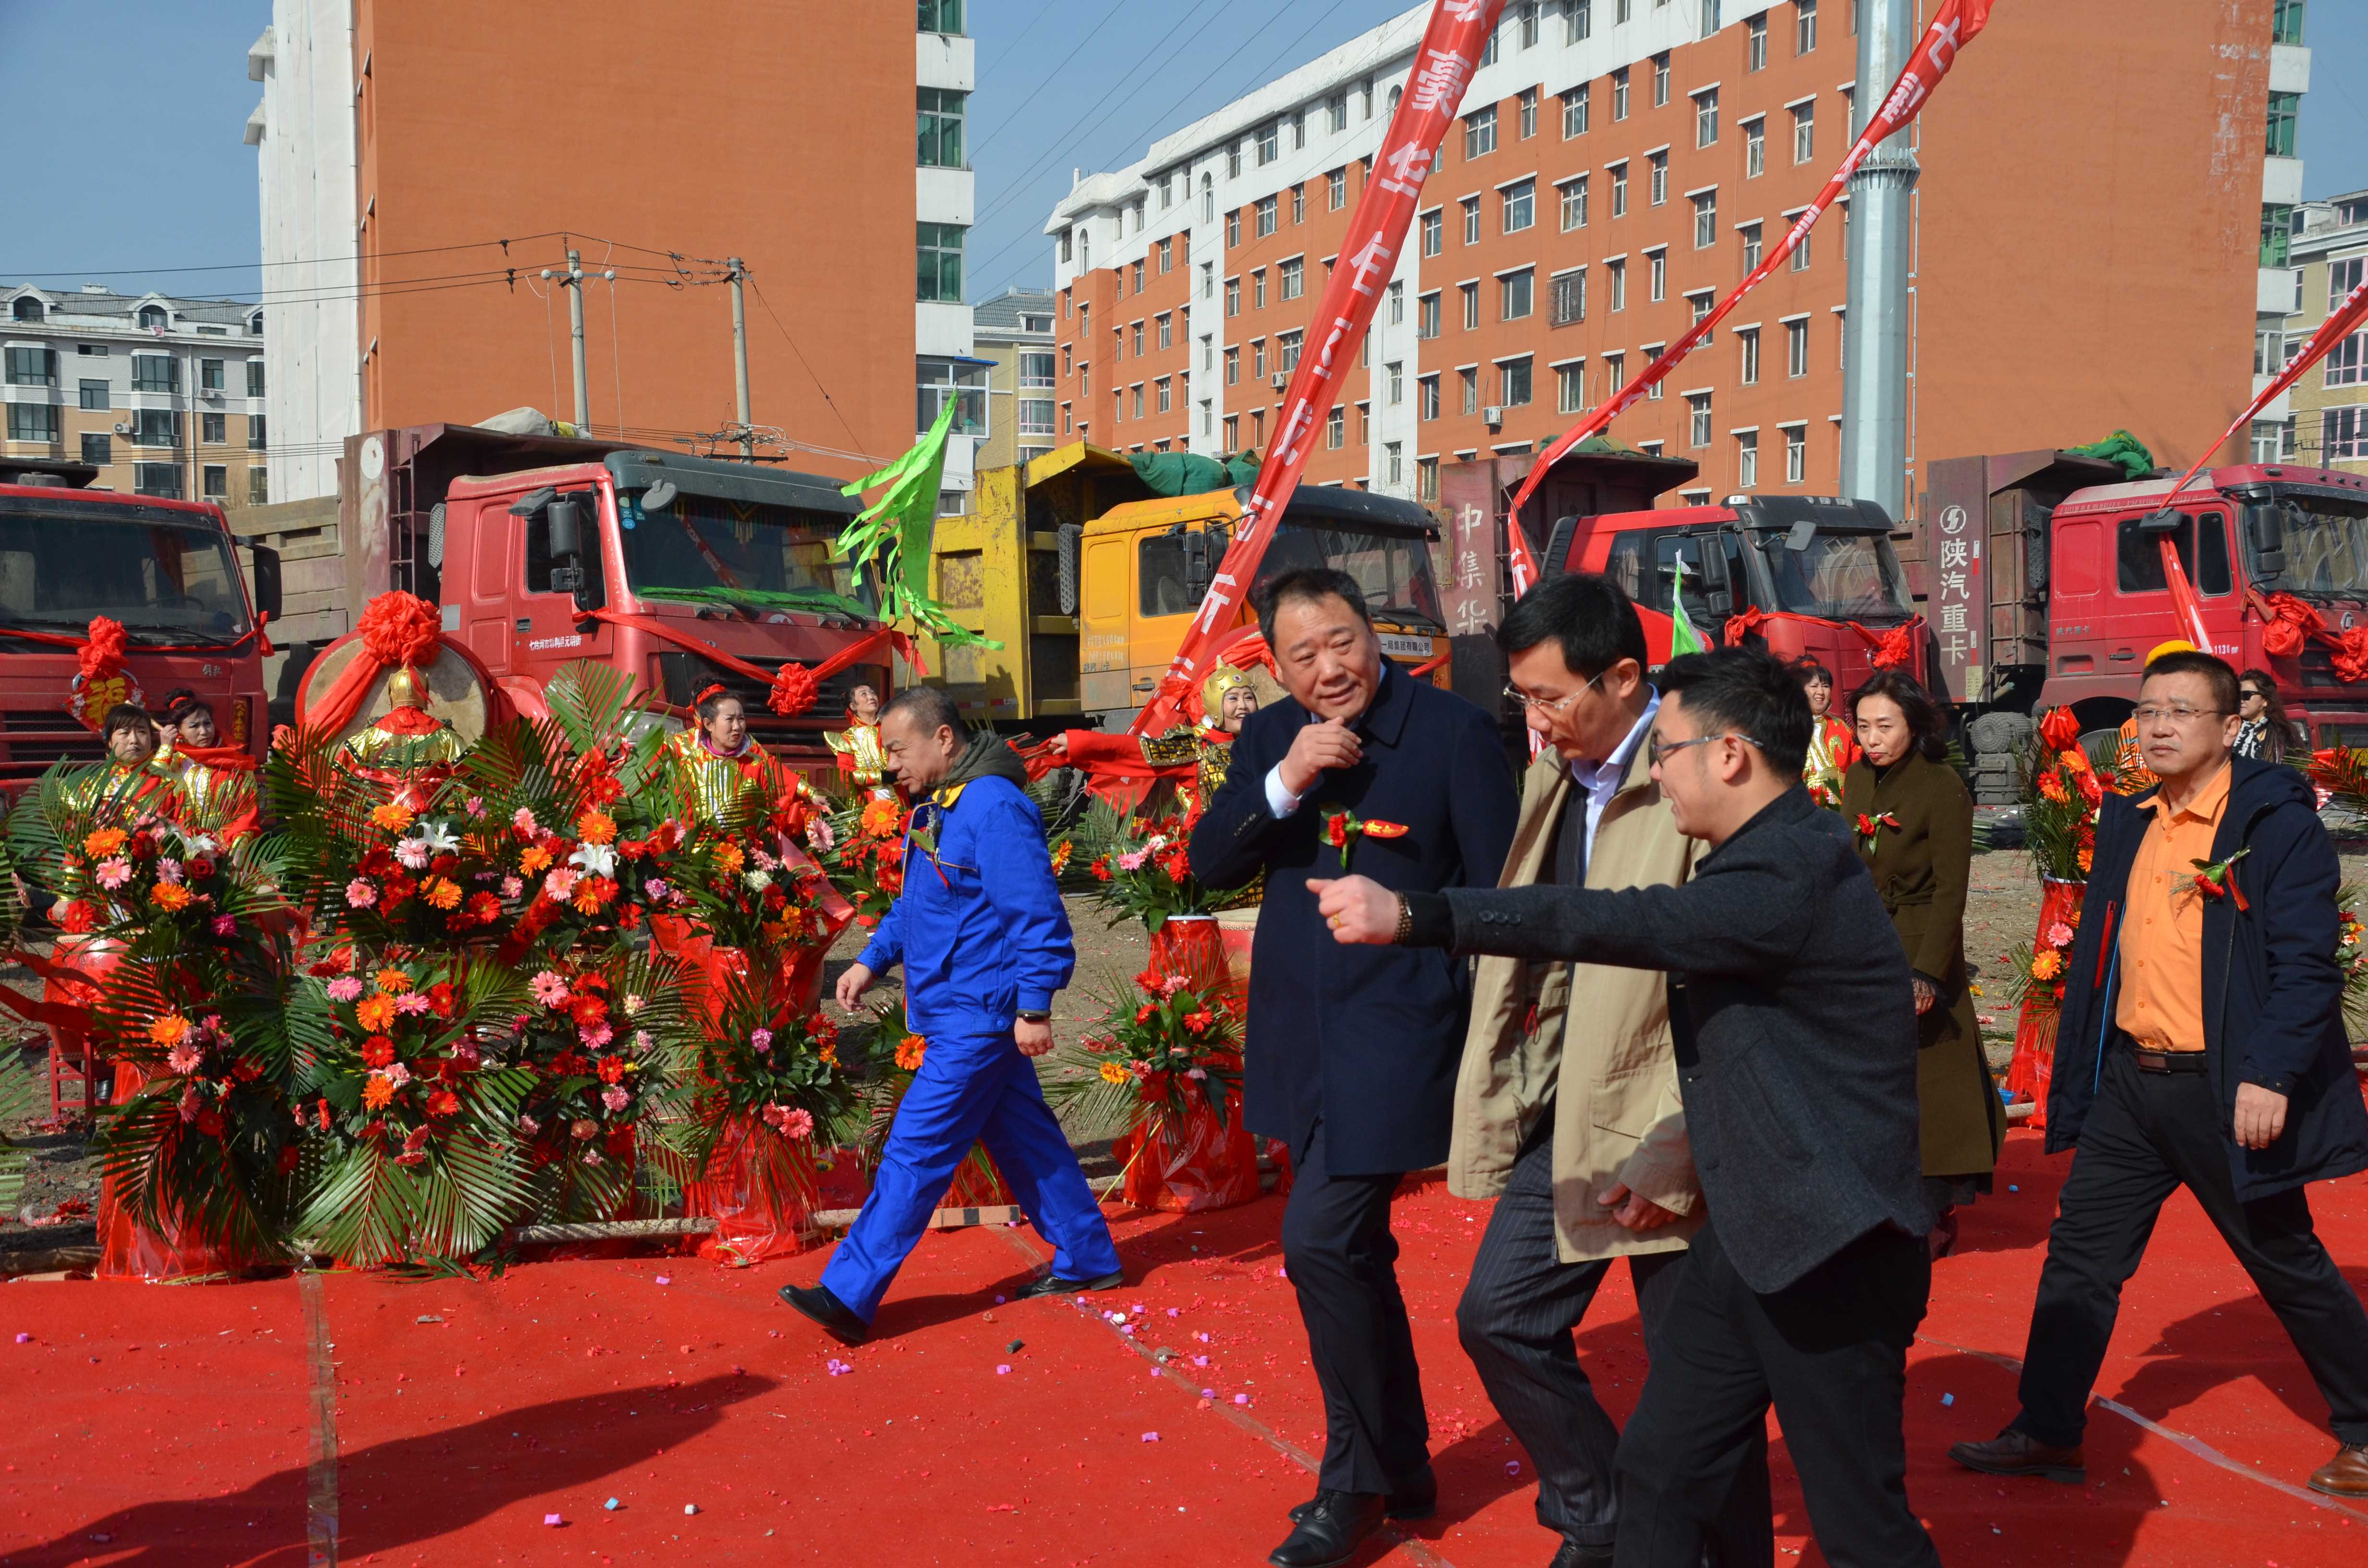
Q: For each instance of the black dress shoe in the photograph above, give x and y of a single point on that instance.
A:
(836, 1318)
(1574, 1555)
(1418, 1499)
(1336, 1523)
(1053, 1285)
(2015, 1452)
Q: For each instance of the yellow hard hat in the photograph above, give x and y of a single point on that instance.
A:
(2176, 645)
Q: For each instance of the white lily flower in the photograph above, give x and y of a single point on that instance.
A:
(758, 881)
(595, 860)
(441, 839)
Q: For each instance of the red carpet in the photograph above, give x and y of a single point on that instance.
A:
(176, 1427)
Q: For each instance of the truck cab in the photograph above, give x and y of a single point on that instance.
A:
(1811, 563)
(1142, 569)
(2242, 533)
(167, 570)
(733, 557)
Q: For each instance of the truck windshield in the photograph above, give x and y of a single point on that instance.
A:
(1393, 569)
(1842, 576)
(755, 557)
(167, 576)
(2326, 544)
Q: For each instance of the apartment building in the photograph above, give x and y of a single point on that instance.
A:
(1618, 165)
(425, 167)
(1013, 333)
(2284, 215)
(2325, 421)
(165, 396)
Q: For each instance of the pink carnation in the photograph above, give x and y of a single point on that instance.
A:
(412, 853)
(760, 1041)
(475, 805)
(549, 989)
(522, 820)
(512, 887)
(225, 925)
(360, 895)
(656, 887)
(345, 988)
(615, 1097)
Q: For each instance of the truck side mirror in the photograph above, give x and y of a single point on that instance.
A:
(1721, 602)
(1558, 542)
(2266, 531)
(267, 581)
(2156, 525)
(1800, 536)
(658, 497)
(565, 523)
(1196, 566)
(1714, 576)
(1071, 535)
(533, 501)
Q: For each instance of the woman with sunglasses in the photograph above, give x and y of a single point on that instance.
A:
(1913, 823)
(2267, 732)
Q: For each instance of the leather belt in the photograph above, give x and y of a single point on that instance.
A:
(2168, 1060)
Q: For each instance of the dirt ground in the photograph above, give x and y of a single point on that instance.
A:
(2000, 911)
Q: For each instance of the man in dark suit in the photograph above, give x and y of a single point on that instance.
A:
(2201, 1045)
(1795, 1026)
(1351, 1055)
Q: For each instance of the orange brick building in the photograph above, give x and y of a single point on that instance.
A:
(782, 133)
(2085, 260)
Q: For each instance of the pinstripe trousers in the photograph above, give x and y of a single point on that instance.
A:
(1516, 1317)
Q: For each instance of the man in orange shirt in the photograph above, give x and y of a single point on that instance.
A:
(2201, 1045)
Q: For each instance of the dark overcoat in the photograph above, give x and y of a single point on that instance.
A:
(1365, 1038)
(1921, 868)
(2272, 990)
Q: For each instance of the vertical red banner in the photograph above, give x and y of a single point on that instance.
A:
(1443, 67)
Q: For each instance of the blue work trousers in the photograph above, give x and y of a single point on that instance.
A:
(970, 1089)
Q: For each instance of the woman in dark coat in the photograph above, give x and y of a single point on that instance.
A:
(1914, 826)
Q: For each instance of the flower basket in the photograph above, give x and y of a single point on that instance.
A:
(1191, 947)
(1189, 1164)
(760, 1189)
(154, 1254)
(2028, 1076)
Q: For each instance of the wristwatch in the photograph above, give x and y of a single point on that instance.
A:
(1405, 922)
(1035, 1016)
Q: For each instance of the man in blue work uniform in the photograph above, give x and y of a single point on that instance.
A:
(985, 942)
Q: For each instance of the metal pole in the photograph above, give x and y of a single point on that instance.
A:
(740, 358)
(1874, 333)
(576, 328)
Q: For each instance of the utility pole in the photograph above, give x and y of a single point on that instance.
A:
(740, 358)
(575, 329)
(1874, 333)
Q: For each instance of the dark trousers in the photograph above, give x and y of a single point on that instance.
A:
(1830, 1352)
(2148, 1134)
(1342, 1261)
(1516, 1319)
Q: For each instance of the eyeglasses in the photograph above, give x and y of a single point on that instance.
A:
(2178, 713)
(2249, 695)
(1516, 693)
(1656, 749)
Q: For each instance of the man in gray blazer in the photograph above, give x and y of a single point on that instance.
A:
(1795, 1039)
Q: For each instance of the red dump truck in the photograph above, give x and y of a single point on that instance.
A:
(518, 538)
(167, 570)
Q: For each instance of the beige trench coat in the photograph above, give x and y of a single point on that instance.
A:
(1609, 1066)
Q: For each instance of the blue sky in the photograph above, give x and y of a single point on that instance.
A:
(151, 173)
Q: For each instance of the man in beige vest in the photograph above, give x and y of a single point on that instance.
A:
(1566, 1107)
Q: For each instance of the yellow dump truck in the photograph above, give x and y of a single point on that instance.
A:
(1089, 580)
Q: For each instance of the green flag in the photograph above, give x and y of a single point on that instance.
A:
(894, 530)
(1683, 638)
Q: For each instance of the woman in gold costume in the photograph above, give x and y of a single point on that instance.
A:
(131, 776)
(858, 745)
(216, 782)
(1195, 756)
(1832, 748)
(718, 760)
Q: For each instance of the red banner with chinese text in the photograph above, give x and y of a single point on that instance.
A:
(1953, 26)
(1443, 67)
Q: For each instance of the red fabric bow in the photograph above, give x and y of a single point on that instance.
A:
(794, 689)
(400, 631)
(1896, 646)
(2351, 655)
(2292, 623)
(1739, 626)
(102, 656)
(2059, 730)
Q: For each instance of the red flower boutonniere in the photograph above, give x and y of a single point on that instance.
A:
(1342, 829)
(1869, 827)
(2217, 879)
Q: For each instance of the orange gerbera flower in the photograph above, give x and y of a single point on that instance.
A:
(909, 1050)
(728, 859)
(170, 1028)
(377, 1092)
(596, 827)
(103, 842)
(376, 1013)
(534, 860)
(443, 892)
(169, 896)
(393, 817)
(393, 981)
(880, 819)
(2046, 965)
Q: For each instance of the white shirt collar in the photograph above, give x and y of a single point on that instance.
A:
(1593, 775)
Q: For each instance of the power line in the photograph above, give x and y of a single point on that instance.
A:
(1084, 37)
(1021, 36)
(360, 256)
(801, 360)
